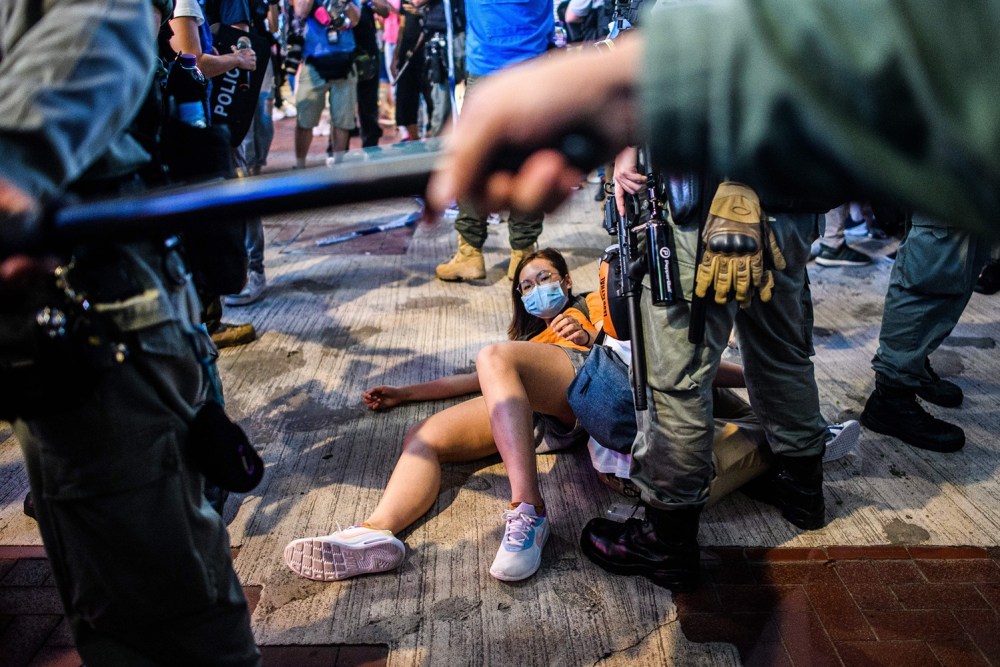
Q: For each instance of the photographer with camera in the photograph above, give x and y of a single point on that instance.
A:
(444, 59)
(327, 68)
(102, 389)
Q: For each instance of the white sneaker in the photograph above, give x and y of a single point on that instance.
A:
(289, 109)
(322, 130)
(277, 114)
(520, 552)
(254, 289)
(345, 553)
(844, 438)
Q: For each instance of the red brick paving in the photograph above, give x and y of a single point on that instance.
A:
(849, 606)
(33, 630)
(880, 606)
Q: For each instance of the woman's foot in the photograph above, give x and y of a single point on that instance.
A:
(345, 553)
(520, 553)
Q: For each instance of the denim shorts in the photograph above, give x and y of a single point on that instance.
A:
(550, 433)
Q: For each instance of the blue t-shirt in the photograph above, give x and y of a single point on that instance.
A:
(499, 33)
(317, 44)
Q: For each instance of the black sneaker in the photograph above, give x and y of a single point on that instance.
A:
(897, 413)
(845, 255)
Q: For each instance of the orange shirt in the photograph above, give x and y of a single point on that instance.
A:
(551, 337)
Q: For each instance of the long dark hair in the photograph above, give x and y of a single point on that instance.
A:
(524, 325)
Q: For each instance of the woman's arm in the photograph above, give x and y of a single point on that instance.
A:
(384, 397)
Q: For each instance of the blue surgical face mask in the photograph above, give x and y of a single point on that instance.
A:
(546, 301)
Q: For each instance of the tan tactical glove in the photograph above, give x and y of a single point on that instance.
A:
(733, 258)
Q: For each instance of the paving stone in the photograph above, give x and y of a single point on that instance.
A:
(24, 636)
(760, 654)
(911, 654)
(879, 552)
(992, 594)
(865, 586)
(939, 596)
(806, 640)
(958, 653)
(922, 625)
(776, 573)
(971, 570)
(984, 629)
(838, 612)
(30, 600)
(946, 553)
(57, 656)
(745, 629)
(29, 572)
(897, 572)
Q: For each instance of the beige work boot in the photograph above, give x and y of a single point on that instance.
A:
(467, 264)
(515, 258)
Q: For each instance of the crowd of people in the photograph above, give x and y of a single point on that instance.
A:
(136, 426)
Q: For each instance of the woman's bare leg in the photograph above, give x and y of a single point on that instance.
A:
(458, 434)
(519, 378)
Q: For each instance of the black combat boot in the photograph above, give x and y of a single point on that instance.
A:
(794, 484)
(895, 411)
(663, 547)
(940, 392)
(989, 278)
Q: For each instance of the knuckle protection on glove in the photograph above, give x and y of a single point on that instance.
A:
(734, 247)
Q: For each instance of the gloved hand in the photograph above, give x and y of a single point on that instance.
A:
(733, 258)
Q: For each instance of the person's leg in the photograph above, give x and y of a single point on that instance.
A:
(458, 434)
(264, 130)
(777, 349)
(408, 96)
(930, 285)
(833, 249)
(523, 231)
(517, 379)
(468, 262)
(441, 99)
(310, 99)
(367, 92)
(343, 101)
(141, 560)
(672, 456)
(833, 234)
(776, 344)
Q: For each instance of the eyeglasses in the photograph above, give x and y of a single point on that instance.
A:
(526, 286)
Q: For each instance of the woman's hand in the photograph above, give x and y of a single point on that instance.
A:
(570, 329)
(383, 397)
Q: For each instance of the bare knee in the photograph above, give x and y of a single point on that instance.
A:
(417, 443)
(493, 356)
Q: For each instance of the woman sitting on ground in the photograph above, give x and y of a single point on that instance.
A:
(520, 380)
(549, 340)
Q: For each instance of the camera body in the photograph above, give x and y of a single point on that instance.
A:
(332, 15)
